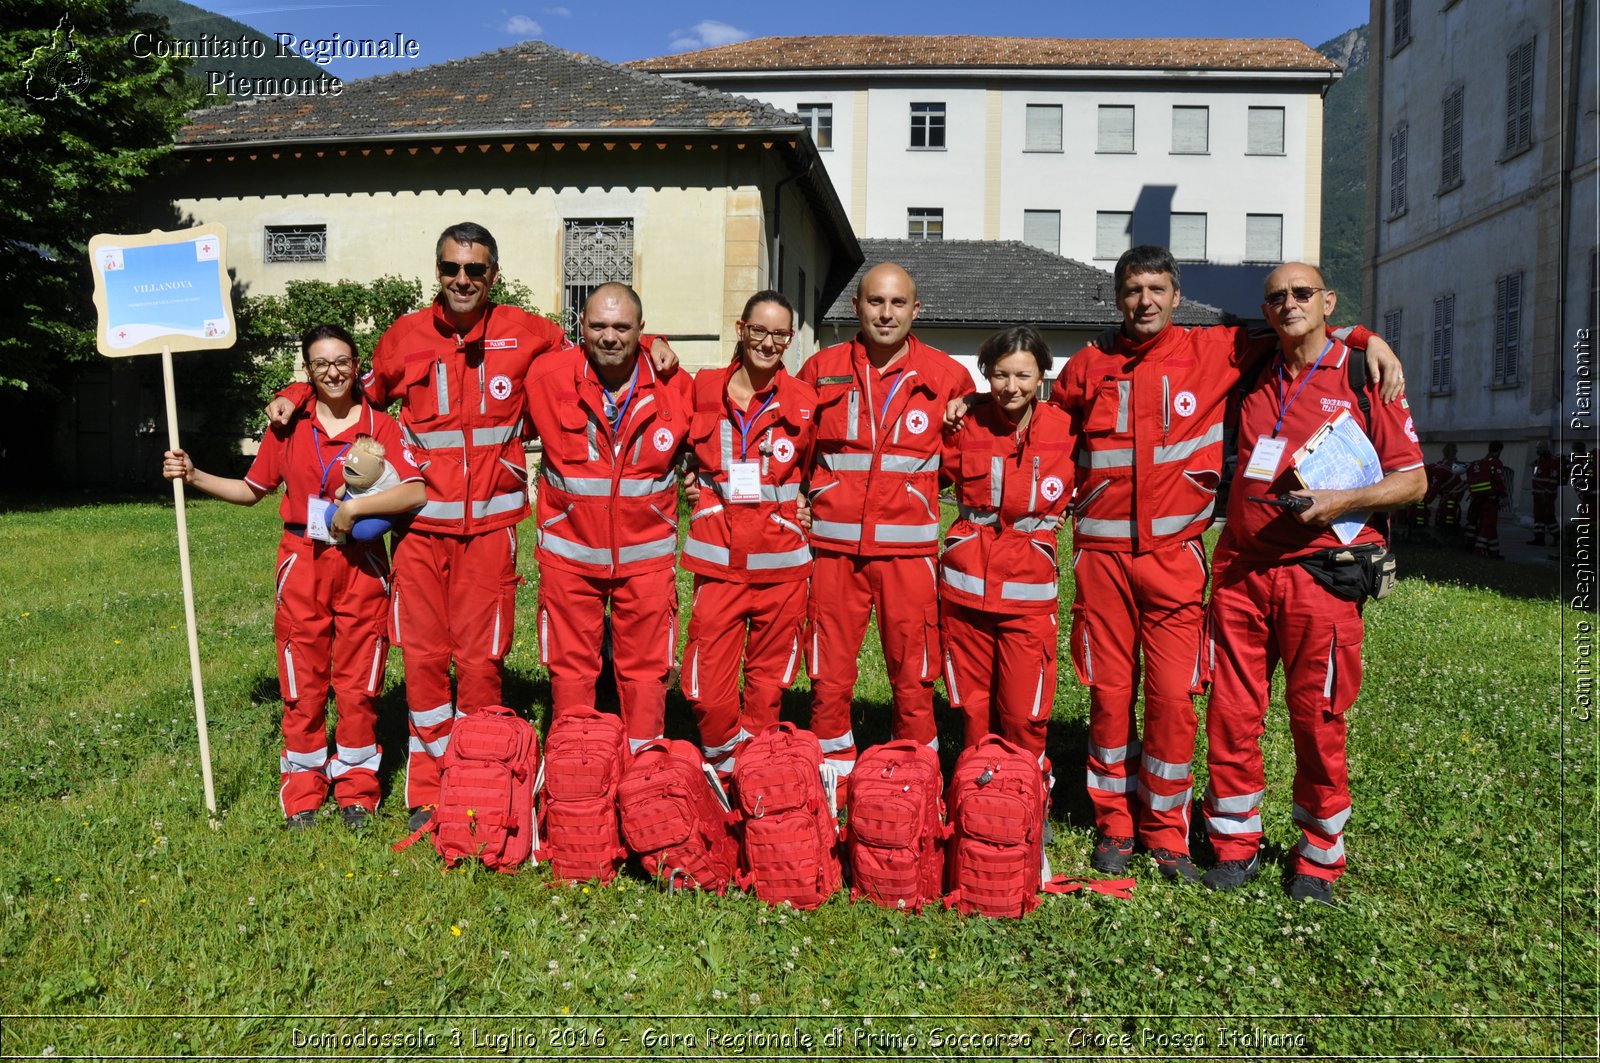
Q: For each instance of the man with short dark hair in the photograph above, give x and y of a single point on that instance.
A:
(1149, 411)
(1288, 588)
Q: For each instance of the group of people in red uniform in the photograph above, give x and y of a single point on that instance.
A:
(814, 504)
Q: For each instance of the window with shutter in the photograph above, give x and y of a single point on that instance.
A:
(1519, 98)
(1444, 343)
(1116, 130)
(1043, 127)
(1264, 132)
(1042, 229)
(1112, 233)
(1507, 327)
(1397, 171)
(1450, 154)
(1191, 130)
(1391, 328)
(1188, 243)
(1263, 238)
(1402, 25)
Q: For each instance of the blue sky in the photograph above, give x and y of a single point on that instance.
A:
(619, 31)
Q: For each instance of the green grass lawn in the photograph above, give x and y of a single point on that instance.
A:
(1465, 926)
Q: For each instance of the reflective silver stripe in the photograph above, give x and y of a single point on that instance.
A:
(434, 717)
(847, 462)
(443, 510)
(841, 768)
(829, 529)
(591, 486)
(716, 555)
(1028, 592)
(784, 559)
(1330, 826)
(1028, 525)
(435, 748)
(1106, 529)
(1115, 458)
(854, 406)
(1162, 769)
(354, 758)
(903, 533)
(835, 745)
(1109, 784)
(909, 463)
(312, 761)
(725, 441)
(441, 383)
(963, 581)
(1173, 525)
(997, 480)
(1113, 754)
(933, 743)
(982, 517)
(1165, 802)
(489, 437)
(574, 551)
(498, 504)
(1233, 824)
(1123, 388)
(434, 440)
(717, 751)
(1237, 806)
(634, 744)
(1317, 854)
(642, 488)
(780, 493)
(1179, 451)
(644, 552)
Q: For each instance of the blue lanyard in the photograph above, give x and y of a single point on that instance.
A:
(901, 379)
(327, 467)
(1283, 407)
(744, 424)
(615, 412)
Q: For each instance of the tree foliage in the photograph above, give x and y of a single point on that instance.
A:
(84, 121)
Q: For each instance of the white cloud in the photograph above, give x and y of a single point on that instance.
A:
(522, 26)
(558, 12)
(707, 34)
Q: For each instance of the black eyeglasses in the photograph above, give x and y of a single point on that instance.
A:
(476, 270)
(1301, 294)
(758, 334)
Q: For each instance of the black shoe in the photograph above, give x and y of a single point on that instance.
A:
(1231, 874)
(420, 816)
(355, 816)
(1111, 855)
(301, 820)
(1175, 867)
(1310, 888)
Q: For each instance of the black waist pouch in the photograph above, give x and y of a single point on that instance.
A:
(1354, 573)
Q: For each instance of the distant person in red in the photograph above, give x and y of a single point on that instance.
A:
(332, 589)
(1447, 484)
(1545, 484)
(752, 435)
(1287, 588)
(1486, 487)
(1012, 464)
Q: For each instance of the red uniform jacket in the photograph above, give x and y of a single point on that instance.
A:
(1545, 478)
(1000, 555)
(875, 483)
(608, 501)
(308, 462)
(750, 542)
(1261, 532)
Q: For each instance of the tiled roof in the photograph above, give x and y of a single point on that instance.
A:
(529, 88)
(875, 52)
(1001, 282)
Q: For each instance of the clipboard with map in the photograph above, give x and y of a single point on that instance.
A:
(1339, 457)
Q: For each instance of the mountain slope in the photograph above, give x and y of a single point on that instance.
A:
(190, 23)
(1344, 174)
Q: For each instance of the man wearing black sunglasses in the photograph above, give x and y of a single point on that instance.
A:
(1289, 587)
(458, 369)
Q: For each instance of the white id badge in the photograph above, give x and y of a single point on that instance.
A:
(744, 481)
(1266, 458)
(316, 527)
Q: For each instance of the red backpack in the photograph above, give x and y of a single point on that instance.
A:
(791, 838)
(577, 788)
(486, 792)
(676, 818)
(999, 806)
(895, 832)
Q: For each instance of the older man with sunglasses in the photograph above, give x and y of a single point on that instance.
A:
(457, 367)
(1289, 588)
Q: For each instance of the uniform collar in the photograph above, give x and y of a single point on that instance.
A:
(443, 325)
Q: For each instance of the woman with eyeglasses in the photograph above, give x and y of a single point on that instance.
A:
(752, 437)
(332, 588)
(1011, 462)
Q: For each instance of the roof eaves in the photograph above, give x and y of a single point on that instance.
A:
(545, 133)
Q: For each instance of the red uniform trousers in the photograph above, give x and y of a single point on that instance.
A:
(759, 622)
(644, 642)
(455, 599)
(1127, 603)
(845, 590)
(1485, 518)
(1261, 614)
(1544, 514)
(1000, 670)
(329, 633)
